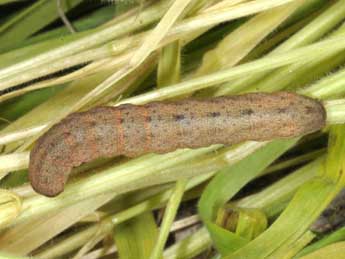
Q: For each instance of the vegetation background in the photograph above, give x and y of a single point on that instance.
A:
(252, 200)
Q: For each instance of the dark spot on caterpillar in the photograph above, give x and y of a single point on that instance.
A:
(309, 109)
(214, 114)
(247, 112)
(179, 117)
(55, 154)
(282, 110)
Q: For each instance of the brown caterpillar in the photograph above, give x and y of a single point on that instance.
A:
(161, 127)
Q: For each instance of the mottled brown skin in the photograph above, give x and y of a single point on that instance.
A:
(161, 127)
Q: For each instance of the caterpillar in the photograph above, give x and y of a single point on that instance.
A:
(161, 127)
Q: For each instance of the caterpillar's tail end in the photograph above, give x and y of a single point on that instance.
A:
(42, 182)
(48, 172)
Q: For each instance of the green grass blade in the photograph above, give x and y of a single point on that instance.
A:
(30, 20)
(336, 236)
(305, 207)
(190, 246)
(228, 182)
(168, 218)
(136, 237)
(169, 65)
(336, 250)
(264, 64)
